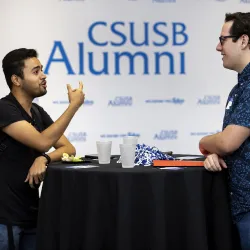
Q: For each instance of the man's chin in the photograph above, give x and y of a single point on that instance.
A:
(42, 93)
(226, 66)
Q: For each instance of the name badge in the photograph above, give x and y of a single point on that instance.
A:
(229, 104)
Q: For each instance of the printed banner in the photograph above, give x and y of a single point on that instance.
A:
(149, 67)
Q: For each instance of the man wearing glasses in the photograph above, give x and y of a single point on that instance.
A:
(231, 147)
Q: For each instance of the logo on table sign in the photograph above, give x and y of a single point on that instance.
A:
(166, 135)
(77, 136)
(204, 133)
(174, 100)
(86, 102)
(121, 101)
(244, 1)
(119, 135)
(209, 100)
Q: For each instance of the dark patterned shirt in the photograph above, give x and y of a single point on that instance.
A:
(238, 113)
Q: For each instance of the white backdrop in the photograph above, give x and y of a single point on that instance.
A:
(170, 101)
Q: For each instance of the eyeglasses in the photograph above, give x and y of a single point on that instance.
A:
(223, 38)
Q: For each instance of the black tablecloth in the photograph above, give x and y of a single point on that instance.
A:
(144, 208)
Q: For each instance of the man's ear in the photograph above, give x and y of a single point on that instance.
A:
(15, 80)
(245, 41)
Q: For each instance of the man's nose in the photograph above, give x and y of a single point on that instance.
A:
(43, 76)
(219, 47)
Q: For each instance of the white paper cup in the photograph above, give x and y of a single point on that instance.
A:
(127, 155)
(130, 140)
(104, 151)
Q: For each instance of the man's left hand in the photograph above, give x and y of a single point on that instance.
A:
(214, 163)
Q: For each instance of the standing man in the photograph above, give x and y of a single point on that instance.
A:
(231, 147)
(26, 133)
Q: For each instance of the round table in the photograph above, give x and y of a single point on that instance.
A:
(142, 208)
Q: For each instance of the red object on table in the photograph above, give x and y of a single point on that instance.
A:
(177, 163)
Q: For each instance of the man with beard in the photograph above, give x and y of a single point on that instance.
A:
(26, 133)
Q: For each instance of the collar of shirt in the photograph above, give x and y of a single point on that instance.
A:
(32, 119)
(244, 76)
(12, 98)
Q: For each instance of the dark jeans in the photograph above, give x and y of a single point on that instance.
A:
(243, 227)
(24, 239)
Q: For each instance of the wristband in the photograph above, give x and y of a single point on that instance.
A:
(47, 157)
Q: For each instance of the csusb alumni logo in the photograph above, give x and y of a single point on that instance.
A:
(121, 101)
(166, 135)
(244, 1)
(209, 100)
(161, 49)
(173, 100)
(77, 136)
(119, 135)
(204, 133)
(86, 102)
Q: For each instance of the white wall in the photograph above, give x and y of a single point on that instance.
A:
(192, 103)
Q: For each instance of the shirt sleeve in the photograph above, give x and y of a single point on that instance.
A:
(9, 114)
(241, 113)
(47, 120)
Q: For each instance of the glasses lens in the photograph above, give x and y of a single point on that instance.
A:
(221, 39)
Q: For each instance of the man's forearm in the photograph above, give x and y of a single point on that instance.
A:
(214, 144)
(56, 130)
(56, 155)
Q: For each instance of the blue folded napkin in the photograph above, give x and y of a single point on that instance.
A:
(144, 155)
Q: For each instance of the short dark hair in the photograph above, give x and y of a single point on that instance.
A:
(241, 24)
(13, 63)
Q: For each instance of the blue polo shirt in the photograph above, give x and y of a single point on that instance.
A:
(238, 113)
